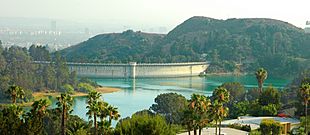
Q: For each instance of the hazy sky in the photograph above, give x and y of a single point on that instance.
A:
(167, 13)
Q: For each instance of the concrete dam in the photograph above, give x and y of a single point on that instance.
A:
(138, 70)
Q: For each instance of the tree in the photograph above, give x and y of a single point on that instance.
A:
(86, 87)
(270, 96)
(16, 92)
(62, 71)
(34, 118)
(199, 106)
(65, 102)
(19, 67)
(261, 76)
(269, 126)
(218, 113)
(68, 88)
(77, 127)
(143, 124)
(239, 109)
(188, 119)
(236, 91)
(39, 53)
(171, 106)
(220, 96)
(10, 122)
(93, 106)
(305, 94)
(113, 113)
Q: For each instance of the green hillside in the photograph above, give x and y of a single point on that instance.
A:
(280, 47)
(113, 48)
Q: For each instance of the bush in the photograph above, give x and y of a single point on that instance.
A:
(265, 126)
(276, 128)
(144, 124)
(170, 105)
(255, 132)
(240, 127)
(269, 126)
(85, 87)
(91, 82)
(67, 88)
(268, 110)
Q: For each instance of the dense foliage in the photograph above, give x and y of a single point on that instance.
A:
(170, 105)
(144, 124)
(17, 69)
(290, 97)
(280, 47)
(269, 126)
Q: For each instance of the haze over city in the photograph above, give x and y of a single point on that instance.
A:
(146, 15)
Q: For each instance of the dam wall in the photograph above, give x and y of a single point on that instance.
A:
(134, 70)
(137, 70)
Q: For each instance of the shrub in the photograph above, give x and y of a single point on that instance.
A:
(276, 128)
(85, 87)
(268, 110)
(255, 132)
(240, 127)
(144, 124)
(269, 126)
(67, 88)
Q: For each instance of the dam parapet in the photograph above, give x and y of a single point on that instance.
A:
(136, 70)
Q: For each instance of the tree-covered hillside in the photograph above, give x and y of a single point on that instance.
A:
(113, 48)
(280, 47)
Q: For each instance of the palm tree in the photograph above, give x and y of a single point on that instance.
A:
(65, 102)
(39, 107)
(261, 76)
(11, 123)
(305, 94)
(188, 119)
(16, 92)
(34, 118)
(113, 113)
(215, 115)
(199, 104)
(105, 127)
(221, 96)
(77, 128)
(93, 106)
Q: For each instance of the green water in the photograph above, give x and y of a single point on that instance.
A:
(139, 94)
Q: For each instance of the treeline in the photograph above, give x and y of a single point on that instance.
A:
(17, 68)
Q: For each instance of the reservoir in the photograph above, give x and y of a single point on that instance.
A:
(139, 94)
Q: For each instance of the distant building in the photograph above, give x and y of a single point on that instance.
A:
(53, 26)
(307, 28)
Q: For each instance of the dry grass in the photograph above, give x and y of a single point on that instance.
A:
(106, 89)
(44, 94)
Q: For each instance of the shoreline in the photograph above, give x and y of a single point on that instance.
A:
(226, 73)
(46, 95)
(100, 89)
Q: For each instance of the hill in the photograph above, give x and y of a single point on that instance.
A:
(280, 47)
(113, 48)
